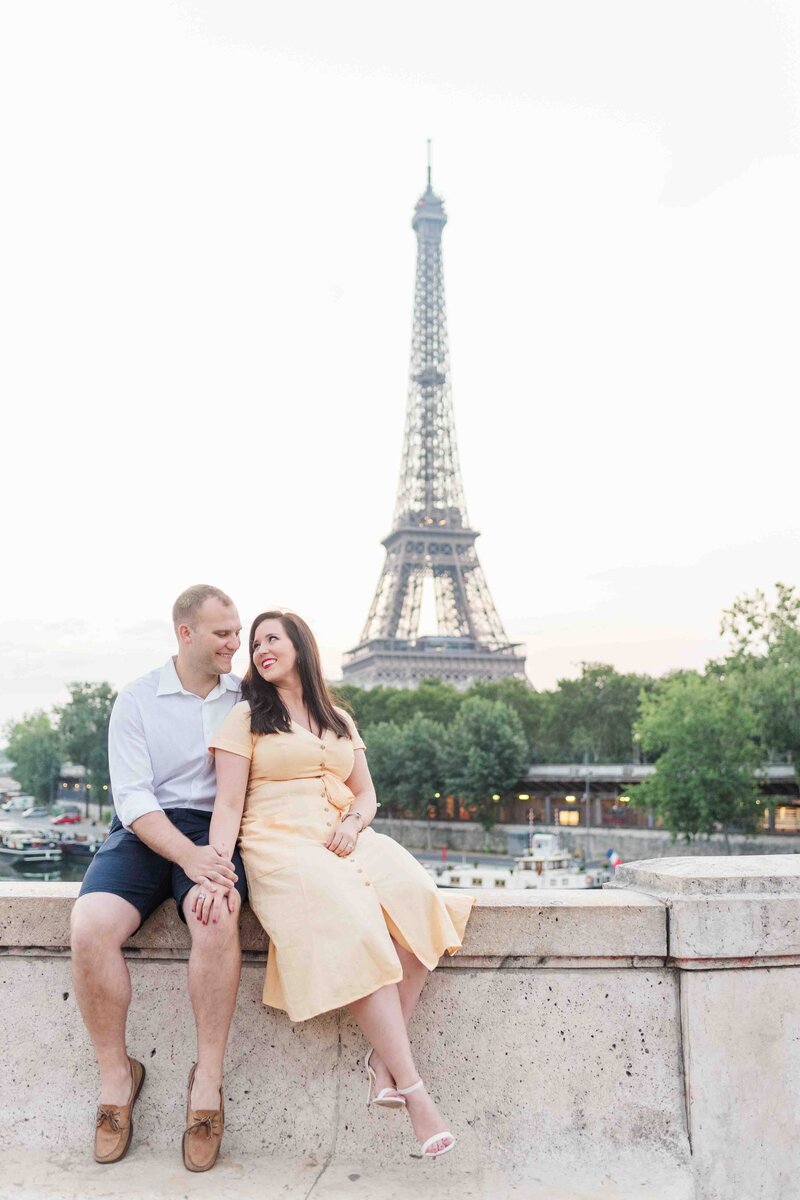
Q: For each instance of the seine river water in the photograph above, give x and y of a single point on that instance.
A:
(73, 870)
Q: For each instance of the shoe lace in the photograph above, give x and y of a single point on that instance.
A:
(210, 1123)
(106, 1113)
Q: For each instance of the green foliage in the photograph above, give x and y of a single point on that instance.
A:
(34, 747)
(432, 698)
(385, 761)
(592, 716)
(83, 725)
(765, 665)
(486, 753)
(407, 762)
(530, 706)
(705, 738)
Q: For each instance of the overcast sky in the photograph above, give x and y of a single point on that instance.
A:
(206, 289)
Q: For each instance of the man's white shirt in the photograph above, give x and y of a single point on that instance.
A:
(158, 741)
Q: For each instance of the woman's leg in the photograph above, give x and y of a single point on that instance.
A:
(380, 1018)
(409, 988)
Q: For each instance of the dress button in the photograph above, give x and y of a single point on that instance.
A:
(327, 825)
(367, 884)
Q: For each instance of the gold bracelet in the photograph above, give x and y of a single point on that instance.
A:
(360, 817)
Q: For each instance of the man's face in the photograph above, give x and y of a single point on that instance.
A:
(213, 637)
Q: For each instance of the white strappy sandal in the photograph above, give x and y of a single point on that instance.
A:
(424, 1152)
(386, 1097)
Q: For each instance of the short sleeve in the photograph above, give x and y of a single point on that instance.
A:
(234, 733)
(355, 736)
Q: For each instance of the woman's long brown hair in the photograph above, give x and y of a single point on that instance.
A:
(268, 713)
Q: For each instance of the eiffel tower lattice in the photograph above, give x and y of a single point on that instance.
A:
(431, 536)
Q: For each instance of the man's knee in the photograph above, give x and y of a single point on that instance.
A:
(223, 926)
(100, 921)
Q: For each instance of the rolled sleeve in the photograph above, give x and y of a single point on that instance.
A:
(129, 762)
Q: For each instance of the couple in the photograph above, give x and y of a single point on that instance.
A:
(353, 919)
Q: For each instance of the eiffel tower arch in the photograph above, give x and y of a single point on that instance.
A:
(431, 534)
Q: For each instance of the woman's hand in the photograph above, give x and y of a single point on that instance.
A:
(344, 837)
(206, 905)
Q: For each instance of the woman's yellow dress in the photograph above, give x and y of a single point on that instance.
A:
(330, 920)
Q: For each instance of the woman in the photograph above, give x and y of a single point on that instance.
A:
(352, 917)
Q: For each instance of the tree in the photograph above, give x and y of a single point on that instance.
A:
(83, 725)
(593, 715)
(431, 698)
(422, 763)
(765, 664)
(34, 747)
(486, 754)
(530, 706)
(384, 755)
(407, 762)
(704, 738)
(370, 706)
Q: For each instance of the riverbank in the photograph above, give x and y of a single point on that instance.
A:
(468, 837)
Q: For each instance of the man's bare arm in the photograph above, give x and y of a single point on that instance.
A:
(202, 864)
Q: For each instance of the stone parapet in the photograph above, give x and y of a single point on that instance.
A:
(581, 1042)
(725, 911)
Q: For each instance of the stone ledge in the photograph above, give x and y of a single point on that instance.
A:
(722, 912)
(732, 874)
(590, 925)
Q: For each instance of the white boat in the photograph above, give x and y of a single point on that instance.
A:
(28, 846)
(546, 866)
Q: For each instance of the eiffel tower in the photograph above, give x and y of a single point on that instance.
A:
(431, 535)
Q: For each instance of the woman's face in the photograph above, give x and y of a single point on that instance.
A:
(274, 656)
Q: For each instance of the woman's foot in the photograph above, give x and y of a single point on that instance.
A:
(426, 1120)
(383, 1077)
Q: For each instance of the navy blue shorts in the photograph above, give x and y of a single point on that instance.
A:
(126, 867)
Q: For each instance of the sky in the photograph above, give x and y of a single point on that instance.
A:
(206, 295)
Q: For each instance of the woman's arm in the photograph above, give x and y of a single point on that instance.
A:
(364, 806)
(233, 771)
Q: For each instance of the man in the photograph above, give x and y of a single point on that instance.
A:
(163, 783)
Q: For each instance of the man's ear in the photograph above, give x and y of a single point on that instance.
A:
(184, 634)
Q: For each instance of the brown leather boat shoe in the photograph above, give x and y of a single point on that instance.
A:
(114, 1126)
(202, 1137)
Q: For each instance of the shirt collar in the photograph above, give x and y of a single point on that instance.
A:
(169, 684)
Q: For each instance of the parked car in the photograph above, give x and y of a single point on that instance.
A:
(35, 813)
(17, 804)
(66, 818)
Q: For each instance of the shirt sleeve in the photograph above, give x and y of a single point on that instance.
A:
(130, 766)
(234, 733)
(355, 736)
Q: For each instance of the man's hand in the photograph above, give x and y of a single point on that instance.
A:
(205, 866)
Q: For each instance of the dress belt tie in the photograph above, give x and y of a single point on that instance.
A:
(338, 794)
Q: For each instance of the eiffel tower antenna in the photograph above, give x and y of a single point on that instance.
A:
(431, 536)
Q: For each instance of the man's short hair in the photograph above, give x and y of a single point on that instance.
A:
(186, 608)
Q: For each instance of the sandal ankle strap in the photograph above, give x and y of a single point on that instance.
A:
(414, 1088)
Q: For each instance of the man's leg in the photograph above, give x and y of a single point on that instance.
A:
(101, 922)
(215, 964)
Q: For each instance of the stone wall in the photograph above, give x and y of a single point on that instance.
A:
(465, 837)
(649, 1030)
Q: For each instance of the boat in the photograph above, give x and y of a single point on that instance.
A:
(19, 846)
(546, 866)
(81, 845)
